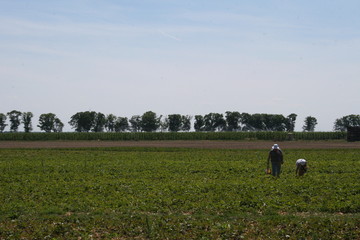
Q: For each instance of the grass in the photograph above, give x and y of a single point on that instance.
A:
(176, 193)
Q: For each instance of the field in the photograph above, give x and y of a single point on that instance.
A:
(157, 192)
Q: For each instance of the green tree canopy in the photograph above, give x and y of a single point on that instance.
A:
(245, 122)
(309, 124)
(121, 124)
(290, 122)
(2, 122)
(99, 122)
(175, 122)
(26, 120)
(58, 125)
(48, 122)
(341, 124)
(135, 123)
(14, 117)
(186, 123)
(83, 121)
(110, 122)
(233, 120)
(199, 124)
(214, 122)
(150, 122)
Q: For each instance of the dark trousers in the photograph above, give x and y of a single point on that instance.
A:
(276, 168)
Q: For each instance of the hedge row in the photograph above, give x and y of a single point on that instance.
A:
(131, 136)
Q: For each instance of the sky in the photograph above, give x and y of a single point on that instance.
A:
(127, 57)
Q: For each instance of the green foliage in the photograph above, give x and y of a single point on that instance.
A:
(2, 122)
(135, 123)
(174, 122)
(214, 122)
(290, 122)
(48, 122)
(341, 124)
(185, 123)
(199, 124)
(177, 122)
(58, 125)
(88, 121)
(309, 124)
(175, 193)
(150, 122)
(99, 122)
(14, 117)
(26, 120)
(138, 136)
(233, 120)
(121, 124)
(83, 121)
(110, 122)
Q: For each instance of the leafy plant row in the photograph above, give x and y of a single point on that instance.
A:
(177, 194)
(138, 136)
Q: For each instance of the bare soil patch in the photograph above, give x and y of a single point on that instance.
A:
(185, 144)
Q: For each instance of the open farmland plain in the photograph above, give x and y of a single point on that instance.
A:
(178, 191)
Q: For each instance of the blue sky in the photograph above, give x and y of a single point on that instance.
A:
(187, 57)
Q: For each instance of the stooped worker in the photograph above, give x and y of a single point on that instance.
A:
(276, 158)
(301, 167)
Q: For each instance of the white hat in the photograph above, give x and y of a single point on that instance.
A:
(300, 161)
(275, 146)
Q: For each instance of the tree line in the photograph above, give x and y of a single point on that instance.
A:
(91, 121)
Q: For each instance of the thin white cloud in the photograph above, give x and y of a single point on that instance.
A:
(169, 35)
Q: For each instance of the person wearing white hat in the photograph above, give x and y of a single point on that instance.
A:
(301, 167)
(276, 157)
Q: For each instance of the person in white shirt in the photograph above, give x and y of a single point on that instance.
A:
(301, 167)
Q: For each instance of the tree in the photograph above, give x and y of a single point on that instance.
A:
(135, 123)
(199, 124)
(341, 124)
(110, 122)
(290, 122)
(48, 122)
(58, 125)
(214, 121)
(150, 122)
(209, 122)
(164, 125)
(175, 122)
(83, 121)
(99, 122)
(256, 122)
(121, 124)
(219, 121)
(14, 117)
(245, 122)
(274, 122)
(186, 123)
(26, 120)
(233, 121)
(2, 122)
(309, 124)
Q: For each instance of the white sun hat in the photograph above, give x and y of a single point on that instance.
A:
(275, 146)
(300, 161)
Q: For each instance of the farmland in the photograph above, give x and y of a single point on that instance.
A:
(177, 193)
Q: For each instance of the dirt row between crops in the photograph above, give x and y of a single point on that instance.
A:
(185, 144)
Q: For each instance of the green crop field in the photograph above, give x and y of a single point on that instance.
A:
(177, 193)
